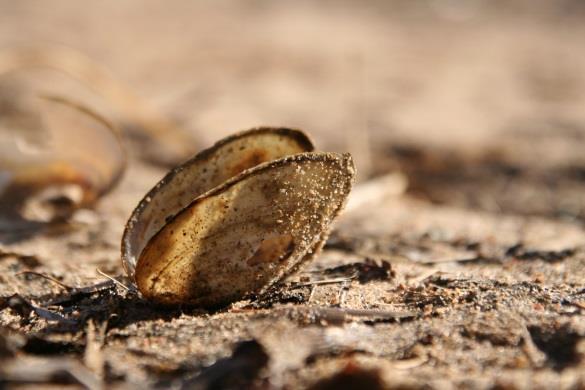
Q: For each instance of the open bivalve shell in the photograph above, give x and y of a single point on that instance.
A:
(235, 219)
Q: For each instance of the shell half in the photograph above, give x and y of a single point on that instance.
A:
(208, 169)
(247, 224)
(54, 147)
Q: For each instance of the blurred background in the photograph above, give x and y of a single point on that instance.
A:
(479, 102)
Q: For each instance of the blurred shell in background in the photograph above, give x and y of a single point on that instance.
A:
(65, 71)
(55, 156)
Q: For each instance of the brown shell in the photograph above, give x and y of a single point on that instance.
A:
(50, 143)
(208, 169)
(235, 219)
(246, 234)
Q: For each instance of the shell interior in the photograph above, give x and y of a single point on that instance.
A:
(50, 143)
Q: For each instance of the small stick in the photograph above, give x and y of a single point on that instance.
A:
(41, 371)
(410, 363)
(325, 281)
(537, 357)
(313, 288)
(24, 307)
(373, 313)
(49, 278)
(93, 357)
(338, 314)
(344, 289)
(116, 281)
(51, 316)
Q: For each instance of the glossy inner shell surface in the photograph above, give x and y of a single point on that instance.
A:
(246, 234)
(206, 170)
(50, 141)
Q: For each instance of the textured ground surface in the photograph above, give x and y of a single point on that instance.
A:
(481, 106)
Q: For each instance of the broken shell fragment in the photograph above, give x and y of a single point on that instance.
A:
(235, 219)
(55, 157)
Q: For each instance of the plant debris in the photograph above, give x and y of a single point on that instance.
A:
(366, 271)
(235, 372)
(520, 253)
(62, 371)
(351, 377)
(24, 308)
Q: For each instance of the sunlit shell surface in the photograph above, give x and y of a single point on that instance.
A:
(235, 219)
(51, 144)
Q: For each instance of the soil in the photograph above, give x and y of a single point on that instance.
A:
(473, 277)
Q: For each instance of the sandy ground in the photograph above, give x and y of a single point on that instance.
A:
(479, 105)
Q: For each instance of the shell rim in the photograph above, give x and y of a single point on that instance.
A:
(113, 129)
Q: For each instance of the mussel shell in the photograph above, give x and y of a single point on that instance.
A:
(206, 170)
(246, 234)
(51, 145)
